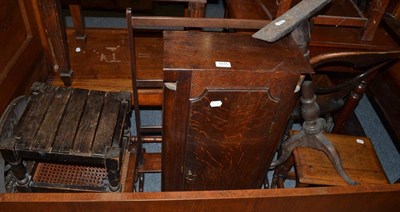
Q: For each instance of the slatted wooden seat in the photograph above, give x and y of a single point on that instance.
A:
(74, 127)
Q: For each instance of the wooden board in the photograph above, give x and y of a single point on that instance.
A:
(348, 198)
(88, 123)
(69, 124)
(105, 64)
(107, 124)
(49, 127)
(230, 140)
(358, 158)
(32, 118)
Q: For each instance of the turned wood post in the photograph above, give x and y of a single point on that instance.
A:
(195, 9)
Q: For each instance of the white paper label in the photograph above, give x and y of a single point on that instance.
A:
(222, 64)
(217, 103)
(280, 22)
(360, 141)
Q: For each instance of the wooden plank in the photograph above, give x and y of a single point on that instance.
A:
(129, 180)
(33, 117)
(69, 125)
(374, 16)
(89, 122)
(121, 123)
(340, 21)
(105, 65)
(282, 25)
(337, 198)
(47, 131)
(152, 163)
(107, 124)
(147, 21)
(358, 158)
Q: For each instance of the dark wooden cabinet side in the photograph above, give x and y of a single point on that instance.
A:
(22, 57)
(221, 126)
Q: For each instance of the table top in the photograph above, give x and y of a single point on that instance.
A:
(358, 158)
(197, 50)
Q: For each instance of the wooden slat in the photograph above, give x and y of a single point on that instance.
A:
(340, 21)
(68, 127)
(335, 198)
(152, 163)
(145, 21)
(33, 117)
(47, 131)
(119, 128)
(282, 25)
(105, 130)
(147, 139)
(374, 16)
(88, 124)
(130, 174)
(151, 129)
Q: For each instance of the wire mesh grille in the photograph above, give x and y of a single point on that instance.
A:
(70, 175)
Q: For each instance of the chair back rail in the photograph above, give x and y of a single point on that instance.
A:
(345, 96)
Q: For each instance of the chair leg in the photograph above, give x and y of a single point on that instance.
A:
(375, 13)
(17, 166)
(141, 181)
(195, 10)
(79, 25)
(112, 162)
(281, 173)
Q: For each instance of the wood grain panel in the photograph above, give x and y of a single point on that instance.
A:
(105, 130)
(69, 125)
(30, 123)
(48, 129)
(13, 19)
(89, 122)
(339, 198)
(314, 167)
(21, 50)
(229, 140)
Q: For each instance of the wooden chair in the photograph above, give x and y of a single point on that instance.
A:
(146, 81)
(340, 13)
(76, 139)
(340, 80)
(347, 14)
(194, 9)
(354, 71)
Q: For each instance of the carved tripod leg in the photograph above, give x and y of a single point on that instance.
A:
(318, 142)
(288, 147)
(322, 143)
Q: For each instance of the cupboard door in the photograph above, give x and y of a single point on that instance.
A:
(228, 139)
